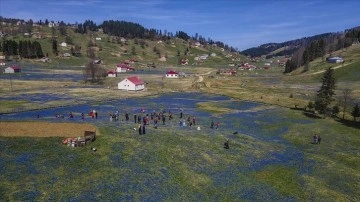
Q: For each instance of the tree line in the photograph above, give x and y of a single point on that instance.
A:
(25, 49)
(319, 48)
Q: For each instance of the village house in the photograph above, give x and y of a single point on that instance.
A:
(123, 67)
(111, 73)
(66, 55)
(12, 69)
(247, 66)
(96, 62)
(171, 74)
(335, 60)
(45, 59)
(2, 59)
(197, 44)
(63, 44)
(131, 84)
(184, 62)
(98, 39)
(204, 57)
(51, 24)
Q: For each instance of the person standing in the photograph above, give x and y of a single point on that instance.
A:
(226, 144)
(135, 118)
(139, 129)
(319, 139)
(163, 119)
(96, 114)
(315, 139)
(181, 115)
(143, 129)
(212, 124)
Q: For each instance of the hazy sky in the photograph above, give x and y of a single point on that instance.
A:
(239, 23)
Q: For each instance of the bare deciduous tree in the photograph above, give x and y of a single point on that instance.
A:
(345, 99)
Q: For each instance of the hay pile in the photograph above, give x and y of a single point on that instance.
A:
(43, 129)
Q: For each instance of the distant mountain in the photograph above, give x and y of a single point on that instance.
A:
(285, 48)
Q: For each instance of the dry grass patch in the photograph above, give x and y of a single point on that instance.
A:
(43, 129)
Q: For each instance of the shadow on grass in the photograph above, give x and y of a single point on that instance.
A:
(297, 108)
(349, 123)
(311, 115)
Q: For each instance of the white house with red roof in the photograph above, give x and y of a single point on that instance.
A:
(123, 67)
(111, 73)
(131, 83)
(12, 69)
(171, 74)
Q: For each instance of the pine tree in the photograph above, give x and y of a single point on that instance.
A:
(326, 92)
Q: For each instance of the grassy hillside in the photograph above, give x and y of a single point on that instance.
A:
(111, 51)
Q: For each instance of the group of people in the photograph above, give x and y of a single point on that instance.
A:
(316, 139)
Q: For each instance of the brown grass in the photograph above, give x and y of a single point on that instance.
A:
(43, 129)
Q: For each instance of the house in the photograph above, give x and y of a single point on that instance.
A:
(97, 62)
(171, 74)
(98, 39)
(204, 57)
(51, 24)
(2, 59)
(45, 59)
(12, 69)
(213, 54)
(63, 44)
(184, 62)
(131, 84)
(66, 55)
(335, 60)
(123, 67)
(111, 73)
(197, 44)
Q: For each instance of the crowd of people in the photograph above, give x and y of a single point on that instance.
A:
(144, 119)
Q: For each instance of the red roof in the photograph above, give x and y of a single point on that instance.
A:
(123, 65)
(111, 72)
(135, 80)
(171, 72)
(15, 67)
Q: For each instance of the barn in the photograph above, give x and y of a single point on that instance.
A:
(171, 74)
(131, 84)
(12, 69)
